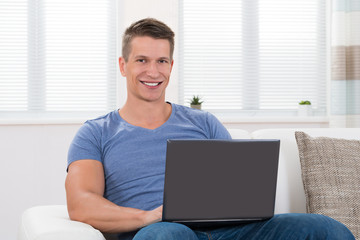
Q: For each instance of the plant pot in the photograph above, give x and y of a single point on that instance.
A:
(196, 106)
(304, 110)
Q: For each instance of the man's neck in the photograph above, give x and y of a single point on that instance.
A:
(149, 115)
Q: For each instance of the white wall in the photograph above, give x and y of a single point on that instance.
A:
(33, 160)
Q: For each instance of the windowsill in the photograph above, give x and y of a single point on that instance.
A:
(276, 119)
(41, 121)
(225, 120)
(48, 118)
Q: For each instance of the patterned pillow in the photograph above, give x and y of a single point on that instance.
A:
(330, 169)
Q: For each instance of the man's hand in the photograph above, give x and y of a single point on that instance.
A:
(153, 216)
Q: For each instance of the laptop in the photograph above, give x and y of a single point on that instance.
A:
(217, 182)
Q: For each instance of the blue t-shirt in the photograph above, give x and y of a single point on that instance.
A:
(134, 157)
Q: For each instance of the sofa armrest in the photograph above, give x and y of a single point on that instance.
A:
(53, 223)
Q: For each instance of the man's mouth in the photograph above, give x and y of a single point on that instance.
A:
(151, 84)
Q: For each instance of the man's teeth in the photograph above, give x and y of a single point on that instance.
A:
(151, 84)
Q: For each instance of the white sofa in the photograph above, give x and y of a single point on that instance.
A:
(52, 222)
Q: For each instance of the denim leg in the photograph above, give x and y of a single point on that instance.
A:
(303, 226)
(293, 226)
(166, 231)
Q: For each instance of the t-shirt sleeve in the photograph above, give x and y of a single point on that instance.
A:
(86, 144)
(217, 129)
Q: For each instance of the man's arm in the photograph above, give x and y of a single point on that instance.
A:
(85, 184)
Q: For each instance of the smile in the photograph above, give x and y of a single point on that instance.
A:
(151, 84)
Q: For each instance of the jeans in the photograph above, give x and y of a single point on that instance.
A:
(283, 226)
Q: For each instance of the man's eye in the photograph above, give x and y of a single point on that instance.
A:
(163, 61)
(140, 60)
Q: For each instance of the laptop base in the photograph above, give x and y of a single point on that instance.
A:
(219, 223)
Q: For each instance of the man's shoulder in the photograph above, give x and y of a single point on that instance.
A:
(190, 112)
(101, 120)
(101, 123)
(198, 117)
(201, 119)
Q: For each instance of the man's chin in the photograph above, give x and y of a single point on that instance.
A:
(154, 99)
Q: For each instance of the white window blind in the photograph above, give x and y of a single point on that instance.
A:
(253, 57)
(13, 55)
(57, 56)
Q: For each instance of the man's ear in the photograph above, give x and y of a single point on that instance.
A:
(122, 66)
(172, 64)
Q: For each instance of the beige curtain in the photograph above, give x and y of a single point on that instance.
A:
(345, 64)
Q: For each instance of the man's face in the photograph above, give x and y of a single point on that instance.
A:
(148, 69)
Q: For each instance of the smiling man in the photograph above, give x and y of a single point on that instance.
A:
(147, 68)
(116, 163)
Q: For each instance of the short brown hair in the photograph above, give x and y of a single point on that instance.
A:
(147, 27)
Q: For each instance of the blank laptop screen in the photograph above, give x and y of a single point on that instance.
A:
(220, 180)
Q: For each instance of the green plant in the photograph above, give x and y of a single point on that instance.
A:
(306, 102)
(196, 100)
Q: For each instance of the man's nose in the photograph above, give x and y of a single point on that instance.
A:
(152, 70)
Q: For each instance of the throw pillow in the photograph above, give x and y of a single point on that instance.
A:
(331, 176)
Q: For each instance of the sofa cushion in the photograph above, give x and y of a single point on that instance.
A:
(331, 177)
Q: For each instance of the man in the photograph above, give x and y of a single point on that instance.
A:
(116, 162)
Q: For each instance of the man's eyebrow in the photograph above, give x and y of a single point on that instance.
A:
(164, 58)
(140, 56)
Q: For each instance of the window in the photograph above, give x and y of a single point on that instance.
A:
(57, 56)
(253, 57)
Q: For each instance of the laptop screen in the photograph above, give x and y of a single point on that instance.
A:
(220, 180)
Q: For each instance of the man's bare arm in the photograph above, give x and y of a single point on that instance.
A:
(85, 184)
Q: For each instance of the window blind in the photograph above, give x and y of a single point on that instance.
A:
(67, 53)
(253, 56)
(13, 55)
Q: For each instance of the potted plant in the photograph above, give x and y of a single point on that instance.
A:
(305, 108)
(196, 102)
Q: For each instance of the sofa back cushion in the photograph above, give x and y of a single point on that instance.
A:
(331, 177)
(237, 133)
